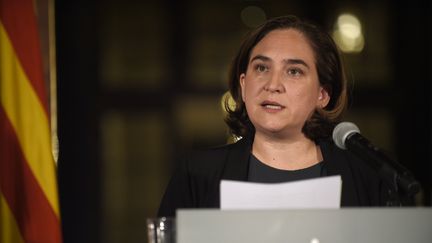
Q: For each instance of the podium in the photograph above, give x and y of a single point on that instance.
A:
(354, 225)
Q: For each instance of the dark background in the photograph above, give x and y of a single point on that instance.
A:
(141, 81)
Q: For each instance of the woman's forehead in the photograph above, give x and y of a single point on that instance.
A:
(284, 44)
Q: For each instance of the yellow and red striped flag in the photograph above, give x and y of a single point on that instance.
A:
(29, 207)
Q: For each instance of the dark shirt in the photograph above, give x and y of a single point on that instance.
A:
(196, 182)
(260, 172)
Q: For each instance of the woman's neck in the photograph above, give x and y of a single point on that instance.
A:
(288, 153)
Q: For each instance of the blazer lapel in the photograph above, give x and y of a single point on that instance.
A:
(335, 163)
(237, 161)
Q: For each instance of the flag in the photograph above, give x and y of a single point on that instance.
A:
(29, 207)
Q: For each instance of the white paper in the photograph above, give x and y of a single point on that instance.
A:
(313, 193)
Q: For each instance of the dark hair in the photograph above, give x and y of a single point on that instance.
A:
(330, 70)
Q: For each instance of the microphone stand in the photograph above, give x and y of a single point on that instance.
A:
(402, 185)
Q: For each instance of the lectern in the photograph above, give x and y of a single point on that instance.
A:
(353, 225)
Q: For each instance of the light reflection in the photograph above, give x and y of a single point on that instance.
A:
(162, 226)
(349, 26)
(348, 33)
(314, 240)
(231, 102)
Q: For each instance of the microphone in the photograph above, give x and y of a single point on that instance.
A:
(346, 135)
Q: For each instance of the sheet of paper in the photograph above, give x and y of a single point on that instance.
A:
(313, 193)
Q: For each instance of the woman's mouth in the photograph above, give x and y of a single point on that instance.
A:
(271, 105)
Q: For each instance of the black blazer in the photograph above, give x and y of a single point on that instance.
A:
(195, 183)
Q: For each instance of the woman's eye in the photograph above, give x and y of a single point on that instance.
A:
(261, 68)
(295, 72)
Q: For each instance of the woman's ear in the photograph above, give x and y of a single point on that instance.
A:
(323, 97)
(242, 85)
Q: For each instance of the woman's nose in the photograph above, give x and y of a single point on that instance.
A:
(274, 84)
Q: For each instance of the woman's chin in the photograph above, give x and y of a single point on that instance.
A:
(272, 130)
(278, 130)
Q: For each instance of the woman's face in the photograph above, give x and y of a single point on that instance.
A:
(280, 87)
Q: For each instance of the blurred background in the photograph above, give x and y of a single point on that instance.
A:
(140, 82)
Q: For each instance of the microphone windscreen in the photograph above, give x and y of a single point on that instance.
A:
(342, 131)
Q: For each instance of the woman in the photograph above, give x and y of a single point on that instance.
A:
(289, 88)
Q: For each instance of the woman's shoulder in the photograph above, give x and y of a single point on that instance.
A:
(216, 155)
(362, 183)
(340, 159)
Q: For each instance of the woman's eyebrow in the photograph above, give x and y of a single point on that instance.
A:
(260, 57)
(296, 61)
